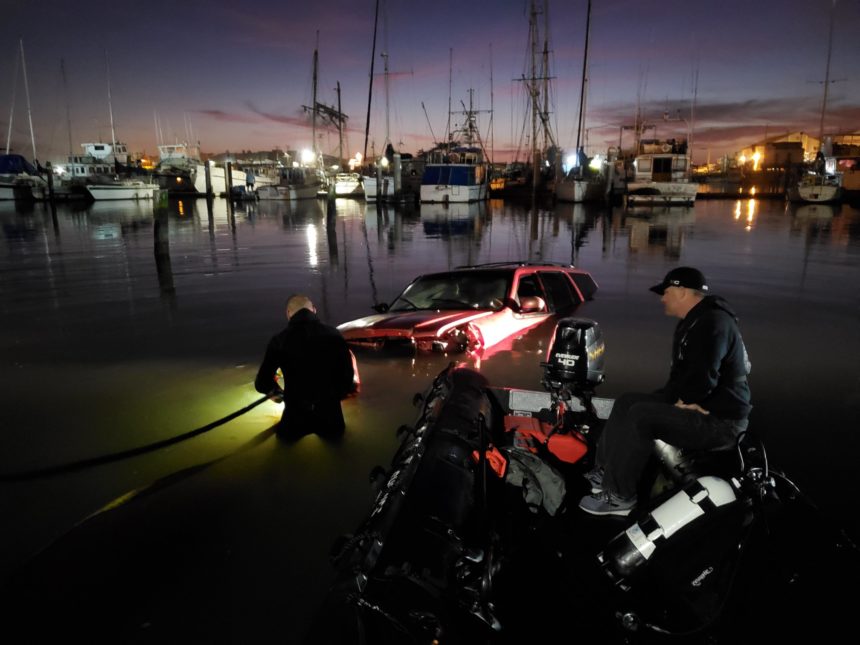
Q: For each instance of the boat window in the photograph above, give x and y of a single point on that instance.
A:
(643, 164)
(679, 163)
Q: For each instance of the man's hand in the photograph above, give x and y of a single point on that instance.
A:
(276, 396)
(690, 406)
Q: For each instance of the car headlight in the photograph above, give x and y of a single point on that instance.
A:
(465, 338)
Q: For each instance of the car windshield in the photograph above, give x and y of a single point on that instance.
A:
(456, 290)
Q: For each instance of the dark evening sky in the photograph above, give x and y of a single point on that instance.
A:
(235, 75)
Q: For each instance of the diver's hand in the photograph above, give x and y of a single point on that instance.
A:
(695, 407)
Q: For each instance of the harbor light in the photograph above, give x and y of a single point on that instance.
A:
(308, 157)
(384, 162)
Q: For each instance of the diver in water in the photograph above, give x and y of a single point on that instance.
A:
(704, 404)
(317, 369)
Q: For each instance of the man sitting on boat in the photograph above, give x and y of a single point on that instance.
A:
(703, 406)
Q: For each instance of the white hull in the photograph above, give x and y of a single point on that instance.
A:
(7, 191)
(580, 190)
(127, 190)
(661, 193)
(448, 194)
(218, 179)
(348, 185)
(288, 192)
(374, 191)
(817, 193)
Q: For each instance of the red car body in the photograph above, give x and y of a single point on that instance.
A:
(471, 308)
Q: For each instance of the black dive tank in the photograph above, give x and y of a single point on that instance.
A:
(574, 360)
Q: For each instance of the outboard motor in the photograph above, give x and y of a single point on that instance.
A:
(574, 361)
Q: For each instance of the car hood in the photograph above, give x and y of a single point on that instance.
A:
(425, 322)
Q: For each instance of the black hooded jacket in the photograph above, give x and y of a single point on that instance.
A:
(710, 362)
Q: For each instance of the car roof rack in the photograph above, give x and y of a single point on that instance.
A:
(515, 263)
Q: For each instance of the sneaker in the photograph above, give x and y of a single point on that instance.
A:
(594, 477)
(607, 503)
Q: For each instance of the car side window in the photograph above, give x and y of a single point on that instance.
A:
(559, 289)
(529, 287)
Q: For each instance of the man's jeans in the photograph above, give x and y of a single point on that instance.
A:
(638, 419)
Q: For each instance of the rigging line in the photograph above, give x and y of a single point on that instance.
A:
(12, 109)
(125, 454)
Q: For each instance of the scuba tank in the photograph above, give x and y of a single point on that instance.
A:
(630, 550)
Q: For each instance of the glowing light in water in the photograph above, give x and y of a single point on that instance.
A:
(313, 259)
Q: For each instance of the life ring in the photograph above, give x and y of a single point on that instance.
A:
(666, 148)
(454, 158)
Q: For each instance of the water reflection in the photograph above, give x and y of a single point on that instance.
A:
(160, 297)
(652, 229)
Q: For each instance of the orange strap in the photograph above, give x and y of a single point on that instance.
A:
(496, 460)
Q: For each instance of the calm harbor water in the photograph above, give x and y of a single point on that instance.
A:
(119, 329)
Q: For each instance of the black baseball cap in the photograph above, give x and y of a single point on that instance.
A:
(682, 277)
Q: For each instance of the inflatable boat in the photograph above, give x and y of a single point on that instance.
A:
(475, 536)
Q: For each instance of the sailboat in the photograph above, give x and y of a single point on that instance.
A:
(19, 179)
(582, 183)
(110, 186)
(395, 176)
(822, 184)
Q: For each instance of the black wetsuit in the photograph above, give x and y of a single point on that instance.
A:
(318, 373)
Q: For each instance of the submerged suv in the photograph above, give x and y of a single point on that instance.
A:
(471, 308)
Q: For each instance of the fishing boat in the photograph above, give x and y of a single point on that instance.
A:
(298, 182)
(457, 171)
(661, 174)
(536, 176)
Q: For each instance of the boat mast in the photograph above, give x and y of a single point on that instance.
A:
(27, 92)
(314, 100)
(387, 118)
(448, 134)
(339, 131)
(12, 109)
(581, 125)
(68, 113)
(826, 79)
(492, 135)
(110, 107)
(533, 91)
(370, 88)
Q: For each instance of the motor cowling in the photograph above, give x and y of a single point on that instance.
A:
(574, 360)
